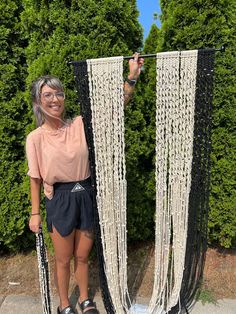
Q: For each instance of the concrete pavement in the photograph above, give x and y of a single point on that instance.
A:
(19, 304)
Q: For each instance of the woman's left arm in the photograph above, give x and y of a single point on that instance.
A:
(135, 65)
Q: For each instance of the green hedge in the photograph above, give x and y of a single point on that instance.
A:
(39, 37)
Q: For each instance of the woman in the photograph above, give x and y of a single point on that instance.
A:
(58, 159)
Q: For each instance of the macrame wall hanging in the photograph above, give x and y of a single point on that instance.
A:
(183, 108)
(176, 112)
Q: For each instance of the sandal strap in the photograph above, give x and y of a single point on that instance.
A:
(66, 310)
(87, 303)
(91, 311)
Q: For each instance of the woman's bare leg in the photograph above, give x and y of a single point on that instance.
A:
(82, 248)
(63, 247)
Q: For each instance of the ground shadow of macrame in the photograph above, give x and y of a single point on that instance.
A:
(200, 184)
(137, 272)
(74, 298)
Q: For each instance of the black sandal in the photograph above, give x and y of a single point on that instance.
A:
(66, 310)
(86, 304)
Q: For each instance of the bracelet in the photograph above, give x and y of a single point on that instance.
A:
(35, 214)
(130, 82)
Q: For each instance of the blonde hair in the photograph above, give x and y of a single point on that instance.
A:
(36, 88)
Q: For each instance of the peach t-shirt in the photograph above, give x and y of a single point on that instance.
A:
(58, 156)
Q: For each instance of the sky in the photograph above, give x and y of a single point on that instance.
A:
(146, 9)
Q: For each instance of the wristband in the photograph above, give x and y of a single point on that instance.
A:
(35, 214)
(130, 82)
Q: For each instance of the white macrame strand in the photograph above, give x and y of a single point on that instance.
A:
(176, 80)
(107, 106)
(176, 83)
(44, 274)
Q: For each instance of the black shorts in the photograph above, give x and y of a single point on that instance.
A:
(71, 207)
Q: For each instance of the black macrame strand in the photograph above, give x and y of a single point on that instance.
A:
(82, 85)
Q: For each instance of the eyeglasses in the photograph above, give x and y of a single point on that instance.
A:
(49, 96)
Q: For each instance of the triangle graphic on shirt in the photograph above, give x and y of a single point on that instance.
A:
(77, 188)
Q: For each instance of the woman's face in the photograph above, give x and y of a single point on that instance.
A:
(52, 101)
